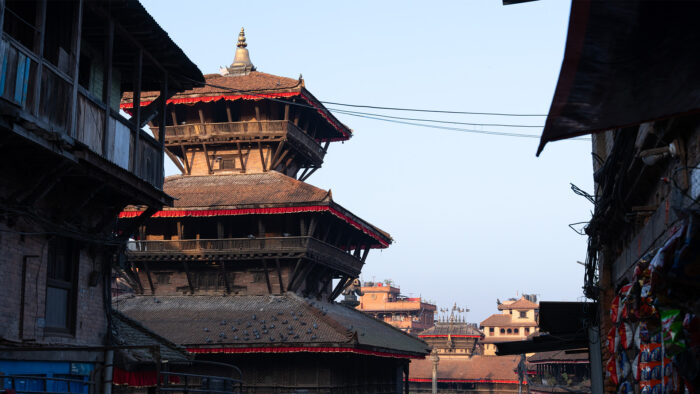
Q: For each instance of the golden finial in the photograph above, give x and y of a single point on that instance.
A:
(241, 39)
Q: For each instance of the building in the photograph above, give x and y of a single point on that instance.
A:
(559, 371)
(636, 92)
(517, 320)
(385, 303)
(466, 375)
(70, 164)
(246, 265)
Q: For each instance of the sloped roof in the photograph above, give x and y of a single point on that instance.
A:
(271, 322)
(241, 190)
(522, 303)
(237, 194)
(482, 368)
(128, 332)
(443, 329)
(501, 320)
(558, 356)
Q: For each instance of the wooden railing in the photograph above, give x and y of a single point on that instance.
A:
(271, 128)
(44, 95)
(313, 248)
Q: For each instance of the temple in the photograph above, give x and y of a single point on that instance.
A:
(244, 268)
(385, 303)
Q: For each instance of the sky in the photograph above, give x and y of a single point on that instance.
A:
(474, 217)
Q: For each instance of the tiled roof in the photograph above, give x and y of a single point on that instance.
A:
(451, 329)
(472, 368)
(128, 332)
(558, 356)
(255, 82)
(522, 303)
(241, 191)
(264, 321)
(501, 320)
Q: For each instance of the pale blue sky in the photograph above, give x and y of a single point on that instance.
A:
(474, 217)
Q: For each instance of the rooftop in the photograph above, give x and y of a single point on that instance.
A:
(522, 303)
(501, 320)
(453, 329)
(267, 323)
(477, 368)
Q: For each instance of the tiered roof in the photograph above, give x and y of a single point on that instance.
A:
(267, 324)
(258, 193)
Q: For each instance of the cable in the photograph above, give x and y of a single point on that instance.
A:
(342, 111)
(429, 110)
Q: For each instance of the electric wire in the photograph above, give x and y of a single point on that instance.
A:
(400, 120)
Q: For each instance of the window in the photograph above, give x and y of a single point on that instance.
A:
(510, 331)
(503, 330)
(516, 331)
(523, 314)
(491, 330)
(61, 285)
(527, 330)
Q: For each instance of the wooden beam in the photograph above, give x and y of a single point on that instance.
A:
(294, 274)
(312, 226)
(136, 276)
(136, 223)
(45, 183)
(187, 162)
(302, 227)
(173, 116)
(329, 276)
(305, 177)
(262, 157)
(206, 156)
(106, 94)
(365, 253)
(229, 116)
(175, 160)
(163, 110)
(279, 275)
(302, 274)
(240, 155)
(201, 115)
(286, 112)
(261, 228)
(325, 147)
(342, 283)
(223, 273)
(77, 36)
(267, 276)
(358, 249)
(279, 160)
(276, 154)
(148, 275)
(189, 276)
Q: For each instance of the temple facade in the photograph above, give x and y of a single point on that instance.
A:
(385, 303)
(246, 265)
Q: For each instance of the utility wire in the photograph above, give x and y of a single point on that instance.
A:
(342, 111)
(428, 110)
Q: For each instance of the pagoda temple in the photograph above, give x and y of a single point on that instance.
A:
(245, 267)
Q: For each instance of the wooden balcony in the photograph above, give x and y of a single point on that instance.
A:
(48, 99)
(199, 133)
(245, 249)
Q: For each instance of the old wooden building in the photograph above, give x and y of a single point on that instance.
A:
(246, 265)
(70, 163)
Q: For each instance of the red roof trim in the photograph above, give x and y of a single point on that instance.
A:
(205, 99)
(300, 349)
(452, 336)
(264, 211)
(424, 380)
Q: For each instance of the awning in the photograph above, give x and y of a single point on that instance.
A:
(625, 63)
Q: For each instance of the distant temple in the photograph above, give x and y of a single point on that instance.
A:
(246, 265)
(385, 303)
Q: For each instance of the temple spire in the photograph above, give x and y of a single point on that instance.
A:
(241, 61)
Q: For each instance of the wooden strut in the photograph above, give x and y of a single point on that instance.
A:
(136, 275)
(262, 157)
(206, 156)
(267, 276)
(329, 276)
(301, 276)
(295, 272)
(223, 272)
(279, 159)
(276, 154)
(189, 276)
(345, 280)
(365, 253)
(307, 175)
(240, 155)
(44, 185)
(148, 275)
(187, 162)
(279, 275)
(175, 160)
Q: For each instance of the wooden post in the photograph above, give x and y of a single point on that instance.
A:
(137, 104)
(163, 110)
(106, 94)
(76, 69)
(187, 162)
(189, 277)
(267, 276)
(279, 275)
(240, 155)
(228, 113)
(41, 24)
(206, 156)
(286, 112)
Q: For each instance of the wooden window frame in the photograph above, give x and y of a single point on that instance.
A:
(70, 247)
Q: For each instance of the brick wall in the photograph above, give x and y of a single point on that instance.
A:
(32, 251)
